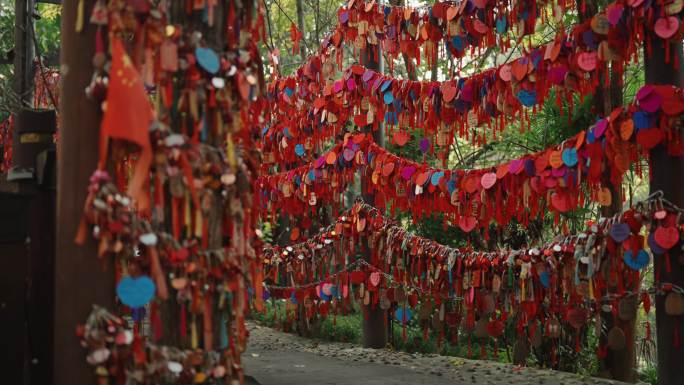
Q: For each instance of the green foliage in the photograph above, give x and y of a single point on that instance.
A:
(649, 375)
(269, 316)
(467, 346)
(267, 232)
(584, 361)
(6, 26)
(47, 28)
(433, 227)
(548, 125)
(341, 328)
(6, 45)
(320, 16)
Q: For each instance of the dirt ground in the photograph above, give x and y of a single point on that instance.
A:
(276, 358)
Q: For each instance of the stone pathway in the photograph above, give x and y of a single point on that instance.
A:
(276, 358)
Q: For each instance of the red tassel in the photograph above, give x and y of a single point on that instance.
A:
(668, 267)
(175, 220)
(99, 42)
(676, 62)
(667, 51)
(295, 35)
(601, 351)
(646, 300)
(156, 322)
(183, 322)
(675, 337)
(454, 337)
(138, 351)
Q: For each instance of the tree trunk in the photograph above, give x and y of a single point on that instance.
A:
(300, 26)
(284, 222)
(433, 75)
(621, 363)
(24, 51)
(618, 364)
(666, 175)
(375, 319)
(317, 21)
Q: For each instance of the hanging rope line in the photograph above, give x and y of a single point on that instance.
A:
(555, 179)
(562, 281)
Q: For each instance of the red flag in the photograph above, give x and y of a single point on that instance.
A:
(127, 116)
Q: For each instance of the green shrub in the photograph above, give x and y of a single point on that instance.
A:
(340, 328)
(649, 374)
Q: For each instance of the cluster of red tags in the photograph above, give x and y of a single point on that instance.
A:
(154, 267)
(45, 89)
(108, 336)
(521, 189)
(185, 164)
(544, 292)
(6, 132)
(193, 174)
(466, 27)
(314, 106)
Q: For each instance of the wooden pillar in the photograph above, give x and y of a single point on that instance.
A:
(375, 319)
(667, 174)
(80, 280)
(14, 270)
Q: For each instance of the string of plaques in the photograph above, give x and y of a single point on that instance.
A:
(314, 105)
(558, 287)
(555, 179)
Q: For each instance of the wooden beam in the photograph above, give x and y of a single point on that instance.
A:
(666, 175)
(80, 280)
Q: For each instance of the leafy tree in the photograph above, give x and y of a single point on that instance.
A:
(47, 19)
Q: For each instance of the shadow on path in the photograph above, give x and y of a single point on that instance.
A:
(249, 380)
(300, 368)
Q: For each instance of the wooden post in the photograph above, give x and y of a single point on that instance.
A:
(666, 175)
(80, 280)
(375, 319)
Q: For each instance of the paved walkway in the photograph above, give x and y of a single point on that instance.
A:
(276, 358)
(297, 368)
